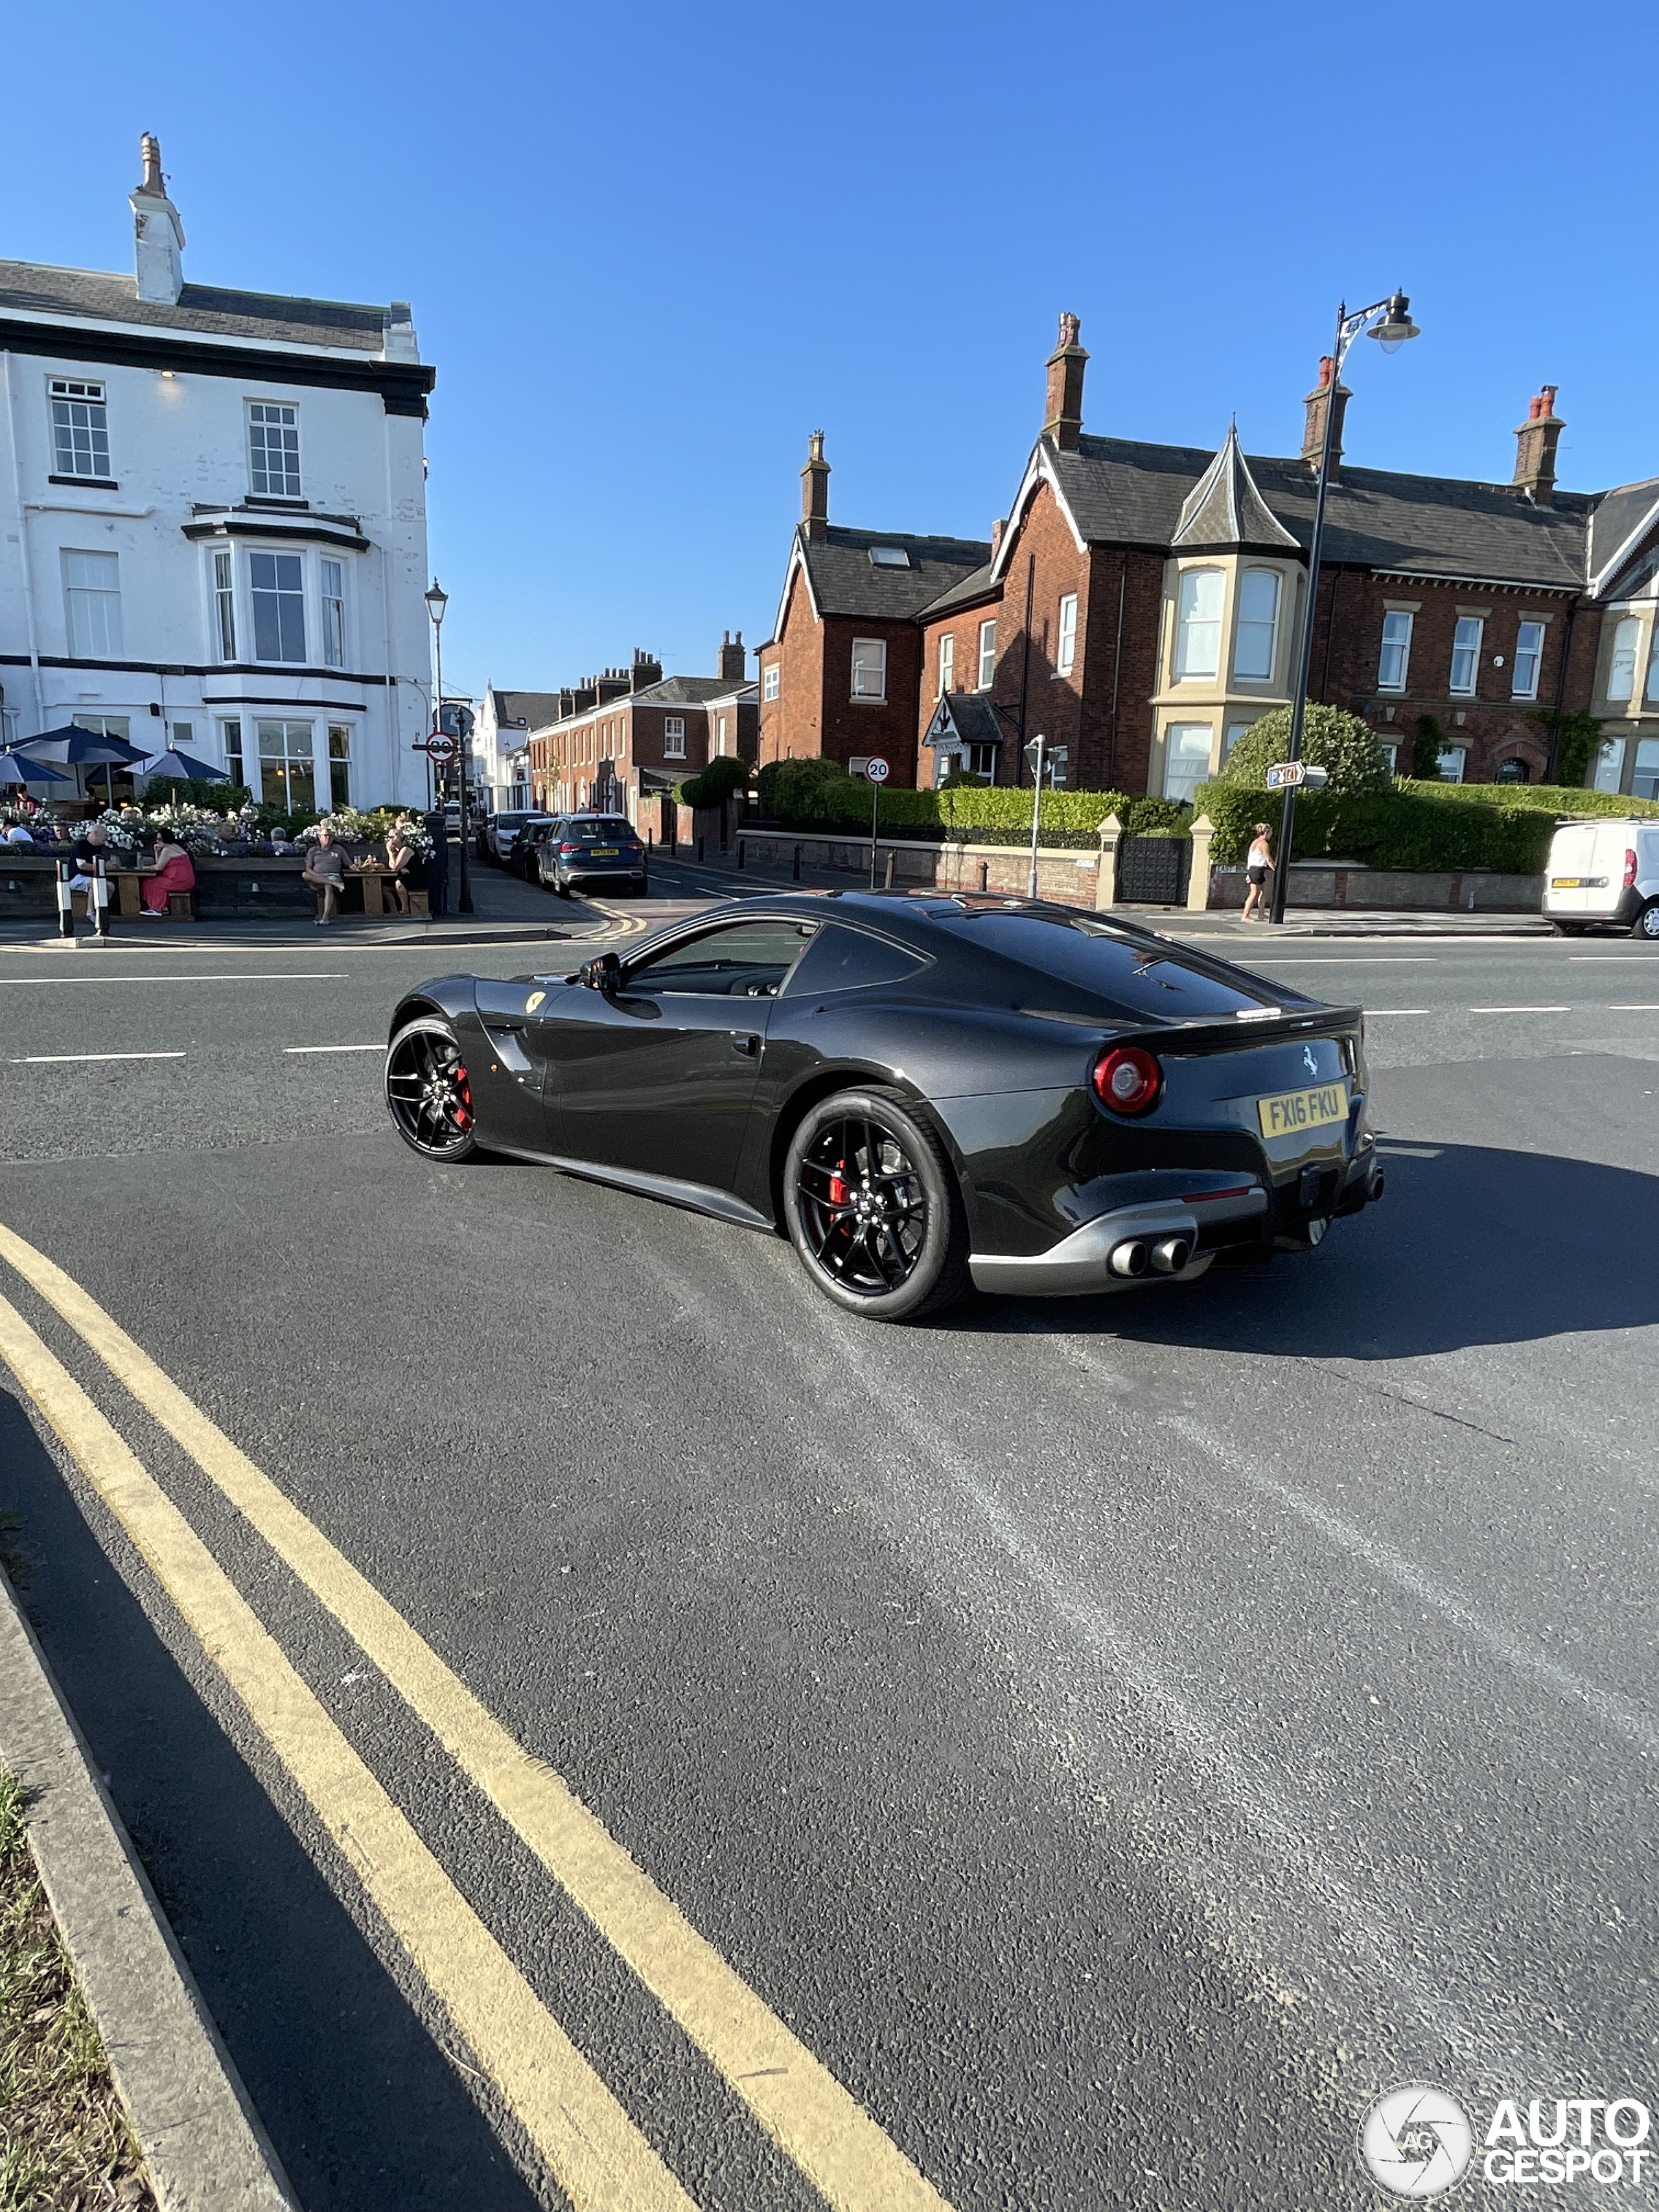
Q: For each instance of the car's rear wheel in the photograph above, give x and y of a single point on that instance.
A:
(428, 1092)
(873, 1209)
(1646, 924)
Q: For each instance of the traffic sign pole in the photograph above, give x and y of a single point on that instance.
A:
(877, 770)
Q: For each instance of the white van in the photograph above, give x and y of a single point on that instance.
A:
(1602, 874)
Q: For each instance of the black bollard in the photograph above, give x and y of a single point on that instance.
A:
(65, 902)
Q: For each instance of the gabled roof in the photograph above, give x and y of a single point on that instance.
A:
(30, 287)
(978, 584)
(965, 718)
(1224, 511)
(1622, 520)
(845, 580)
(528, 709)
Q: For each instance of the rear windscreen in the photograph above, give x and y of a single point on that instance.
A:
(589, 827)
(1154, 980)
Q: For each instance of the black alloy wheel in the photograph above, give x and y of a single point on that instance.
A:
(873, 1208)
(428, 1092)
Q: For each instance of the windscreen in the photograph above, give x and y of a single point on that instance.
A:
(602, 826)
(1156, 981)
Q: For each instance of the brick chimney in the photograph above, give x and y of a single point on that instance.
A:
(1313, 434)
(814, 489)
(158, 234)
(735, 661)
(1063, 421)
(644, 673)
(997, 530)
(1536, 442)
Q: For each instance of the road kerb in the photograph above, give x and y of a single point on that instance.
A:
(202, 2140)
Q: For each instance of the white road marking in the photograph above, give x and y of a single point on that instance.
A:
(294, 975)
(1633, 954)
(1375, 1012)
(1520, 1010)
(1634, 1010)
(61, 1059)
(333, 1048)
(1352, 959)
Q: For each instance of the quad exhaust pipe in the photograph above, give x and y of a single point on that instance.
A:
(1137, 1256)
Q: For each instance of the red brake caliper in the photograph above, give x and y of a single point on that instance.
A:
(837, 1188)
(464, 1097)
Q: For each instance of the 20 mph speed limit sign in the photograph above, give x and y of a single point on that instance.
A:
(876, 769)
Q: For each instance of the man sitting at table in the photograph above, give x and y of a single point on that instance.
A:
(324, 870)
(92, 845)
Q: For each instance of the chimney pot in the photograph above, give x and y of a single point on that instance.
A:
(1326, 392)
(814, 489)
(158, 236)
(1063, 418)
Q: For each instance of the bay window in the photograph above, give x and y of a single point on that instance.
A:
(1621, 669)
(339, 764)
(1187, 750)
(230, 738)
(1198, 626)
(277, 586)
(1644, 779)
(1466, 655)
(869, 668)
(1256, 646)
(1528, 660)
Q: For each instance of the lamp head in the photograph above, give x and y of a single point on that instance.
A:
(1396, 326)
(436, 600)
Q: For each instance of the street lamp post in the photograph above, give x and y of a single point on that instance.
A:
(437, 600)
(1391, 332)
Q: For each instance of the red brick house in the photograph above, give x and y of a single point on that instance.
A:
(1142, 605)
(621, 738)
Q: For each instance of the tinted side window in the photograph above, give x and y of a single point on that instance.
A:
(745, 960)
(1142, 979)
(842, 959)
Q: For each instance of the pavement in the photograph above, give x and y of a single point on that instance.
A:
(1074, 1754)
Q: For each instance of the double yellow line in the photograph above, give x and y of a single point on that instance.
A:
(594, 2149)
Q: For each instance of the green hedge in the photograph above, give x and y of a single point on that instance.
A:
(1547, 798)
(1401, 829)
(970, 814)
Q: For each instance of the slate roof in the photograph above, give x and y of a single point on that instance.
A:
(1617, 513)
(1123, 492)
(978, 583)
(1225, 511)
(533, 709)
(29, 288)
(846, 581)
(682, 691)
(968, 715)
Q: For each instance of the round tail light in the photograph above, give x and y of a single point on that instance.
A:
(1127, 1079)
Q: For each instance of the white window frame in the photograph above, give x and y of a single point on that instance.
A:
(221, 588)
(1454, 760)
(1621, 664)
(673, 737)
(1609, 774)
(1066, 635)
(870, 670)
(286, 414)
(294, 751)
(1254, 624)
(1173, 731)
(947, 663)
(92, 611)
(1467, 636)
(333, 605)
(344, 731)
(1391, 754)
(771, 680)
(988, 655)
(68, 393)
(1523, 685)
(1191, 626)
(1397, 641)
(230, 745)
(255, 592)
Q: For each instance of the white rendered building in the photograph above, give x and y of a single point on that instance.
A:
(213, 521)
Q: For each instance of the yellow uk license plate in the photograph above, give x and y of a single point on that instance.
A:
(1569, 883)
(1293, 1111)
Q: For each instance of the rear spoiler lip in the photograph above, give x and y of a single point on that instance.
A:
(1317, 1021)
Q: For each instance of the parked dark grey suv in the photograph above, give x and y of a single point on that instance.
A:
(585, 850)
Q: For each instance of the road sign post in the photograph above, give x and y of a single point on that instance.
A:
(877, 771)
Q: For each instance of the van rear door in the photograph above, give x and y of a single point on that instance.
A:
(1569, 885)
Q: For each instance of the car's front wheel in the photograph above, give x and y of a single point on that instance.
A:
(873, 1208)
(429, 1093)
(1646, 924)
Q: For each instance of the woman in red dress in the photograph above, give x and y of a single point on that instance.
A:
(174, 872)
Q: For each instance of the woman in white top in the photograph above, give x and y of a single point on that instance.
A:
(1257, 869)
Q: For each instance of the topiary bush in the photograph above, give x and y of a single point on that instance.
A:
(724, 774)
(1332, 739)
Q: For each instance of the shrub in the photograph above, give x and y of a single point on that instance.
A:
(1577, 739)
(1405, 827)
(1332, 739)
(1426, 749)
(1539, 798)
(724, 774)
(197, 791)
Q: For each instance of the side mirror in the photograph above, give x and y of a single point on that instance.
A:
(603, 974)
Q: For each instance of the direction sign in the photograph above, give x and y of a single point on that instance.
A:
(876, 769)
(1293, 775)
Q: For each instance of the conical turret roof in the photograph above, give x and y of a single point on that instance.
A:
(1224, 513)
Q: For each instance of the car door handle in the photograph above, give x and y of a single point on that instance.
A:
(745, 1042)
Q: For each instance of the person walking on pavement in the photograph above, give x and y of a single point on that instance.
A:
(437, 866)
(1257, 869)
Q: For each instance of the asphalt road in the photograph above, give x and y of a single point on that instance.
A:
(1117, 1738)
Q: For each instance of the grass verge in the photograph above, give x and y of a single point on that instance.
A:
(64, 2142)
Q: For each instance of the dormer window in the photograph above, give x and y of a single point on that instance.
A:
(1198, 625)
(889, 557)
(273, 450)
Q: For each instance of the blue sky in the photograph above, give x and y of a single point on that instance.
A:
(650, 248)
